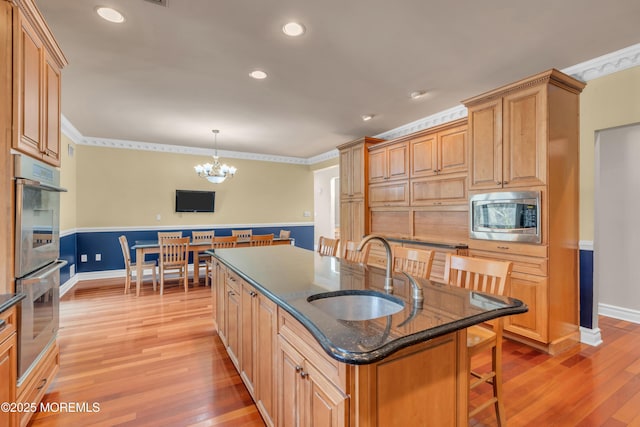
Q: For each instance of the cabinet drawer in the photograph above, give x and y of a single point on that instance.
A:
(430, 191)
(300, 338)
(233, 281)
(536, 266)
(10, 318)
(389, 194)
(509, 248)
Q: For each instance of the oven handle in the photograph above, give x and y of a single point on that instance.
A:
(43, 273)
(44, 186)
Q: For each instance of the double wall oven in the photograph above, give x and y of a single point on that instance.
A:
(37, 264)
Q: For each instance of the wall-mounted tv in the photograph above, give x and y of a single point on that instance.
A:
(195, 201)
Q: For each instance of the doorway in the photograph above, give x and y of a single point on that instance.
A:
(617, 213)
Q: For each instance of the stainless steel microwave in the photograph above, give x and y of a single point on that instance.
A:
(508, 216)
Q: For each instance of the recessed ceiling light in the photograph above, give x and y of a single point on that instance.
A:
(418, 94)
(258, 74)
(367, 117)
(110, 14)
(293, 29)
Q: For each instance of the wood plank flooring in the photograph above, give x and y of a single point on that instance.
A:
(156, 361)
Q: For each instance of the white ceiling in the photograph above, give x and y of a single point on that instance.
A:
(169, 75)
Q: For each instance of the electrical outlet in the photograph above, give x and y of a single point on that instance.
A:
(83, 258)
(306, 214)
(98, 257)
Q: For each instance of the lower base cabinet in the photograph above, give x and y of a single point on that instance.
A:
(33, 388)
(8, 365)
(294, 382)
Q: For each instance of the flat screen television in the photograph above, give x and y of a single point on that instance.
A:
(195, 201)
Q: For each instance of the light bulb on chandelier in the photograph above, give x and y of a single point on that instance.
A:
(215, 172)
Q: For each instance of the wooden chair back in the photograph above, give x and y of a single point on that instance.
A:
(174, 251)
(261, 240)
(285, 234)
(169, 234)
(416, 262)
(478, 274)
(350, 252)
(125, 252)
(202, 236)
(327, 246)
(225, 242)
(242, 234)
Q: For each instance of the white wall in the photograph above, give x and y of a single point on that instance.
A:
(617, 219)
(323, 218)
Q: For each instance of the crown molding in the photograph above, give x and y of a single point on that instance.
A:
(595, 68)
(604, 65)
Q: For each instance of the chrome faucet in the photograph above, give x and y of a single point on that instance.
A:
(388, 281)
(416, 295)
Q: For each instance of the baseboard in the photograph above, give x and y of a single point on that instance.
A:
(621, 313)
(68, 285)
(592, 337)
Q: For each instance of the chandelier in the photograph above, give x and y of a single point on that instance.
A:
(215, 173)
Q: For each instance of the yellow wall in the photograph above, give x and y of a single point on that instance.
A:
(122, 187)
(68, 180)
(609, 101)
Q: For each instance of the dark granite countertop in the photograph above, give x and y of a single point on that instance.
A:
(9, 300)
(289, 276)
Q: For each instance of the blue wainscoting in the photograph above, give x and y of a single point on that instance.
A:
(105, 243)
(586, 288)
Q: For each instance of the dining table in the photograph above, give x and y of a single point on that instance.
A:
(144, 247)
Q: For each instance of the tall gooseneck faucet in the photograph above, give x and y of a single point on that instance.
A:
(388, 281)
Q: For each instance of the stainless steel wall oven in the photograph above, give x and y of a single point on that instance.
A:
(37, 249)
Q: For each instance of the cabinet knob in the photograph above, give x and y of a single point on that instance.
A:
(253, 294)
(505, 182)
(498, 183)
(303, 374)
(503, 247)
(298, 368)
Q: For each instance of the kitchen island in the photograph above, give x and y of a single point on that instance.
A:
(309, 356)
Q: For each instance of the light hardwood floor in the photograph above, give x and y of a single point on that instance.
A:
(156, 361)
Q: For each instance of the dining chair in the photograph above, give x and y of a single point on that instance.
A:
(492, 277)
(243, 235)
(170, 234)
(221, 242)
(261, 240)
(416, 262)
(132, 267)
(285, 234)
(174, 256)
(350, 252)
(201, 258)
(327, 246)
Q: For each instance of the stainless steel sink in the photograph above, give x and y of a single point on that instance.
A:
(356, 305)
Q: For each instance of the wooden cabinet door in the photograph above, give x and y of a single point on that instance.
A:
(395, 193)
(398, 161)
(357, 171)
(377, 166)
(266, 329)
(532, 290)
(51, 138)
(325, 405)
(28, 57)
(525, 135)
(8, 373)
(233, 321)
(452, 150)
(218, 289)
(485, 145)
(352, 220)
(290, 391)
(345, 173)
(248, 336)
(424, 154)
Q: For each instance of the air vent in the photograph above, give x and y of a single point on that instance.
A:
(158, 2)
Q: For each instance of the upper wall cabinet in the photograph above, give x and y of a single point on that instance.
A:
(440, 152)
(389, 162)
(37, 61)
(509, 133)
(353, 167)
